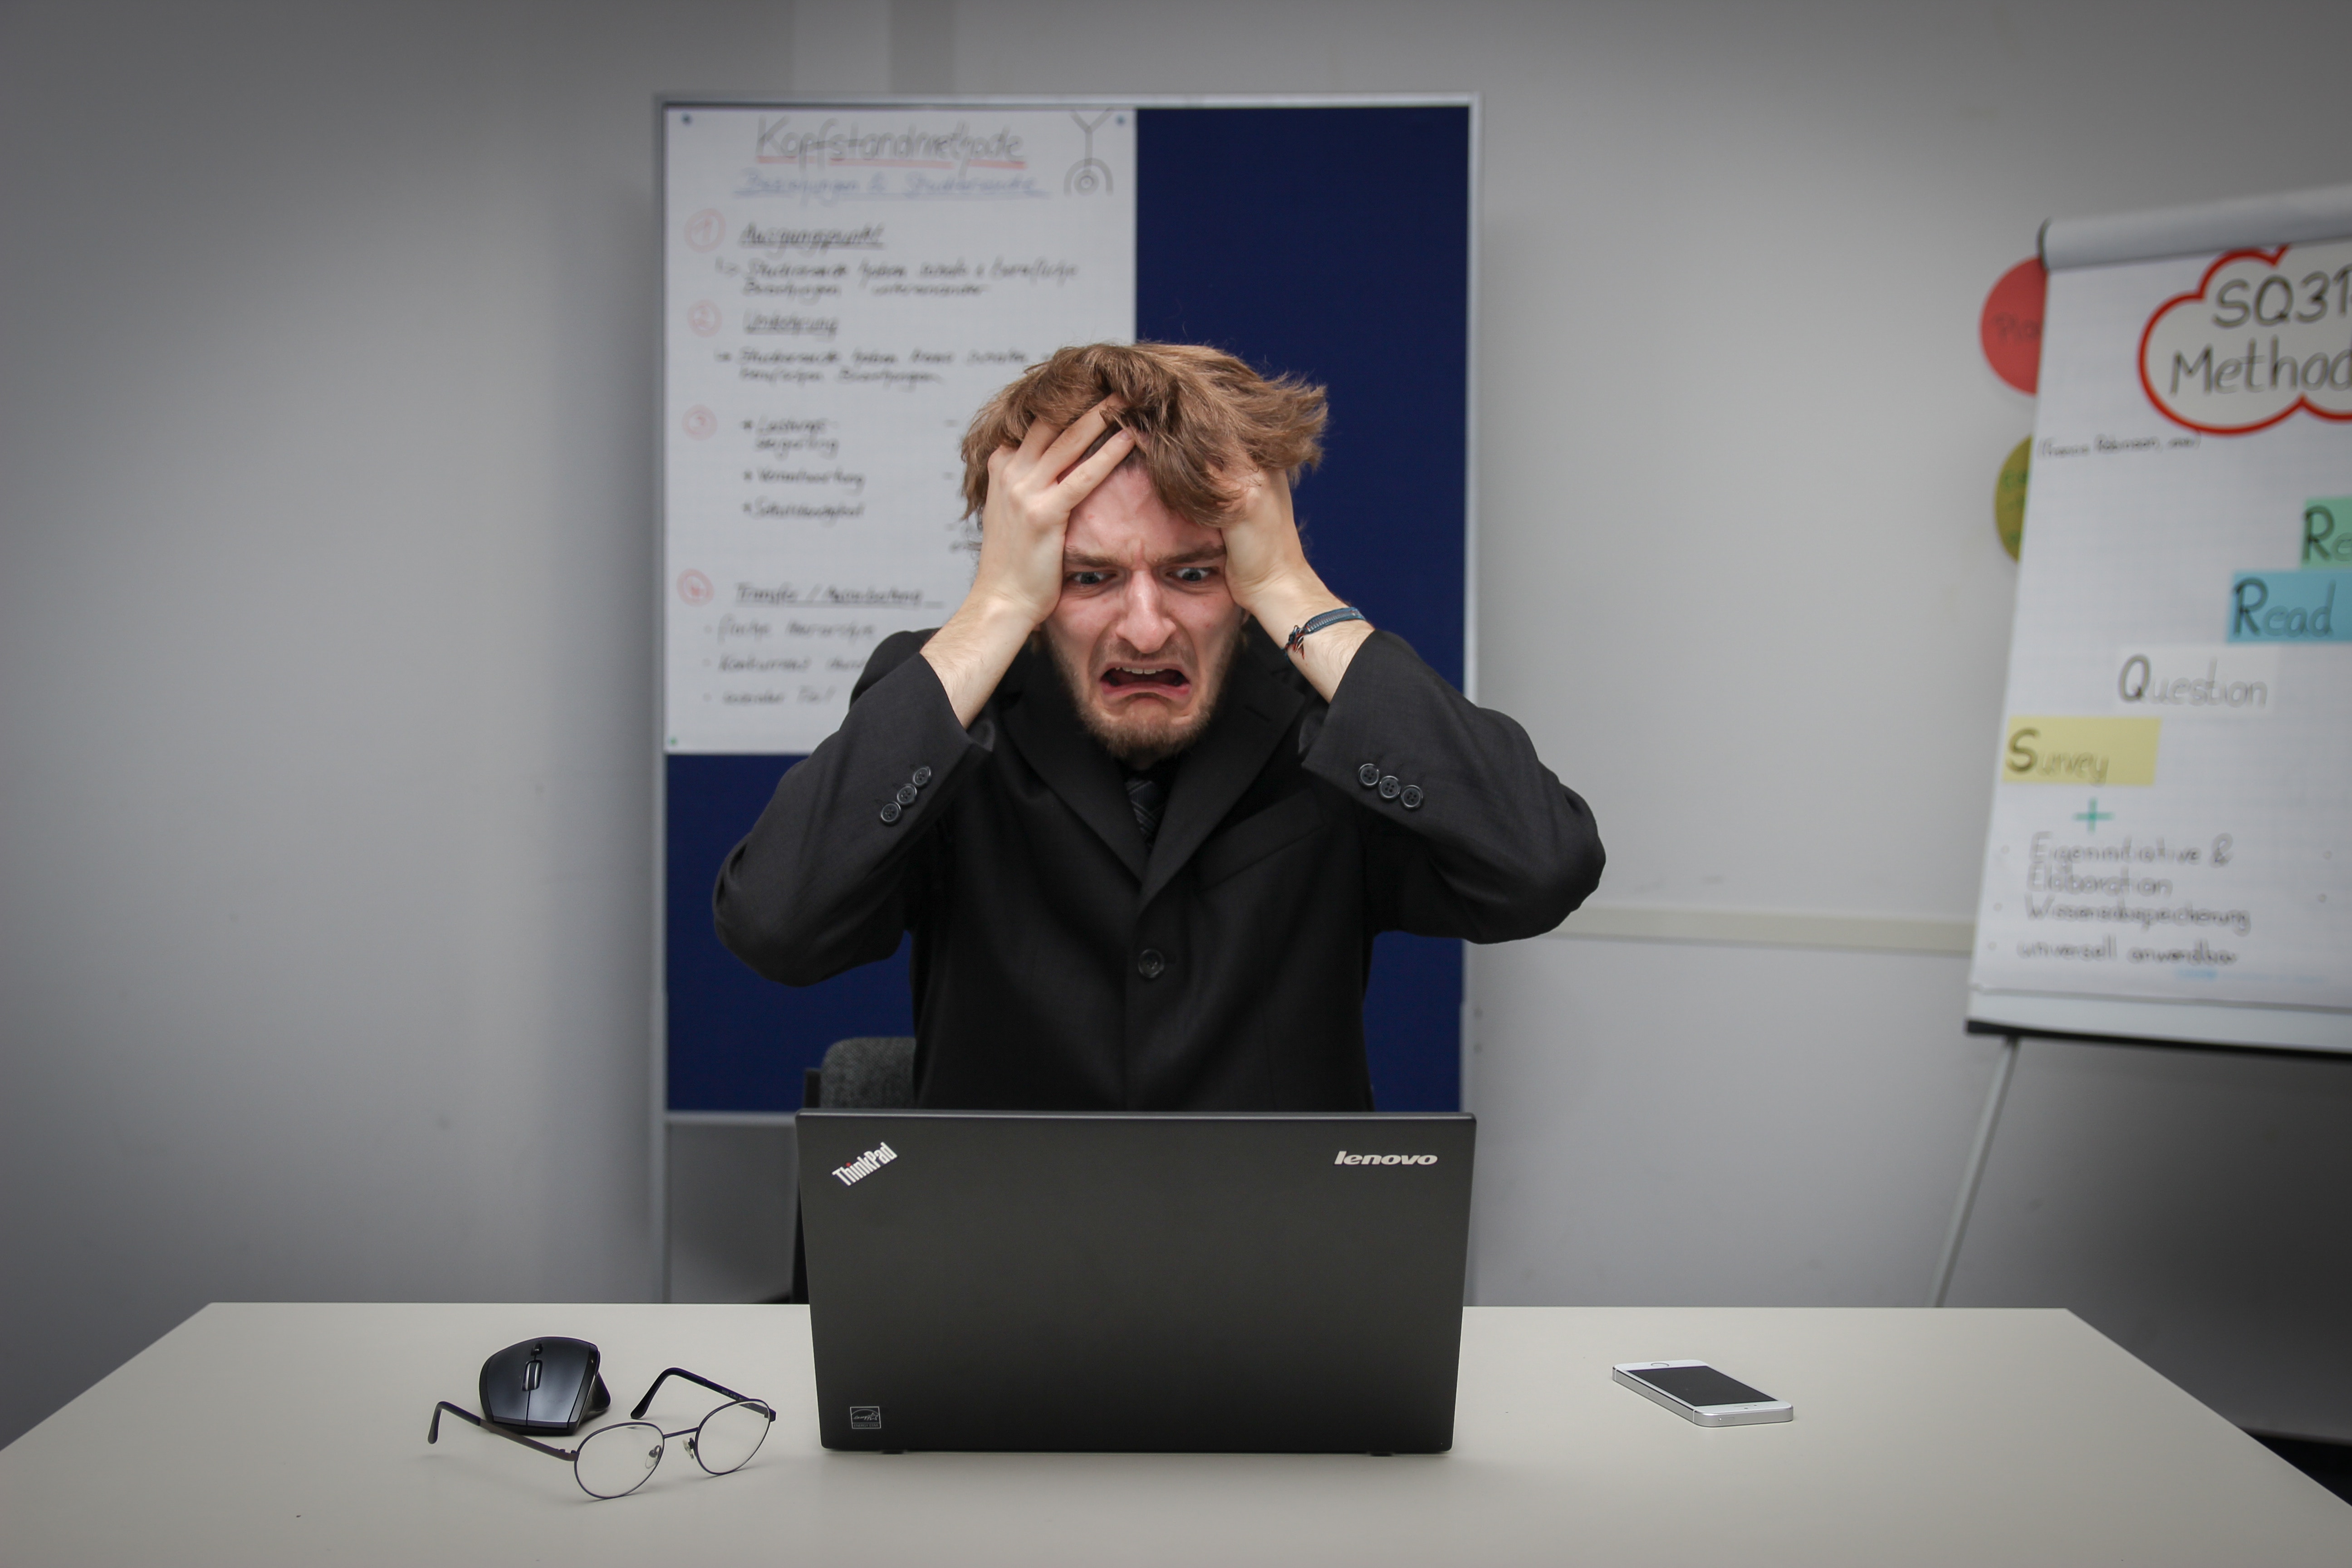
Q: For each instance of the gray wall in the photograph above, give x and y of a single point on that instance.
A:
(326, 343)
(326, 354)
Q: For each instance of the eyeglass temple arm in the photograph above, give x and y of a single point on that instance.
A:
(432, 1433)
(668, 1372)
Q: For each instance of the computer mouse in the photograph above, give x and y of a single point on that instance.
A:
(546, 1387)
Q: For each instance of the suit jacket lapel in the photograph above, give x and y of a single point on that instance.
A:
(1073, 766)
(1255, 715)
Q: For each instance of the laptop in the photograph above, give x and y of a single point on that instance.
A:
(1011, 1281)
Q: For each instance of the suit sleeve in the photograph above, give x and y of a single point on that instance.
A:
(1470, 835)
(828, 877)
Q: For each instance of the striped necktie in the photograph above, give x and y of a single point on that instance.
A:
(1147, 798)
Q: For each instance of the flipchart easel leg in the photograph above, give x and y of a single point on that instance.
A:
(1974, 1176)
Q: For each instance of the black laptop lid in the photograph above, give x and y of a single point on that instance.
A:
(998, 1280)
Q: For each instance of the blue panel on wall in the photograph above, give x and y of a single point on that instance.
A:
(738, 1042)
(1333, 243)
(1412, 1023)
(1344, 258)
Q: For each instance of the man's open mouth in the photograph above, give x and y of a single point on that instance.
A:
(1163, 678)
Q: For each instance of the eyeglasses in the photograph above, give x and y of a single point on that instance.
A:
(614, 1461)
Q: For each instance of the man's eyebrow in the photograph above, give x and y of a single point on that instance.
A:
(1074, 561)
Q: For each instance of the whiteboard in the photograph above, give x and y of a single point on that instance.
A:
(2168, 843)
(1388, 517)
(842, 287)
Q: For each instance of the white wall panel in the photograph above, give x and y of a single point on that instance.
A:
(1698, 1126)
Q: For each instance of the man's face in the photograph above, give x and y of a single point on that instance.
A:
(1146, 626)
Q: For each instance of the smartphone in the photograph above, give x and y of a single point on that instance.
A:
(1696, 1392)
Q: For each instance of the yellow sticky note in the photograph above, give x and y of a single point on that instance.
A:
(2069, 750)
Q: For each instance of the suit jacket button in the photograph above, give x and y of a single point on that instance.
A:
(922, 777)
(1369, 774)
(892, 811)
(1411, 798)
(905, 795)
(1149, 963)
(1388, 787)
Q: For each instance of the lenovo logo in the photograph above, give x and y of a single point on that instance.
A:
(866, 1164)
(1347, 1159)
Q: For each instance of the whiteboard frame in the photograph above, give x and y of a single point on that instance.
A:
(660, 1118)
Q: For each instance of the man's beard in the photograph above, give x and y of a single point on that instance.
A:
(1151, 735)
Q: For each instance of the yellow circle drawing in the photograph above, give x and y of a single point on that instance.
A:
(2008, 497)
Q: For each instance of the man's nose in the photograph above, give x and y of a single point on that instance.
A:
(1144, 622)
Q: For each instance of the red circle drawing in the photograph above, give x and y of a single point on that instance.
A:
(704, 318)
(2011, 327)
(694, 587)
(705, 229)
(700, 422)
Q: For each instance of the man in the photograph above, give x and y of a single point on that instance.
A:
(1146, 798)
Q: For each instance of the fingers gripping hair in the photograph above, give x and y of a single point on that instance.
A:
(1204, 420)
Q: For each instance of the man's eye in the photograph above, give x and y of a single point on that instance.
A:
(1192, 574)
(1087, 579)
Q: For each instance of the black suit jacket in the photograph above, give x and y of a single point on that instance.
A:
(1062, 963)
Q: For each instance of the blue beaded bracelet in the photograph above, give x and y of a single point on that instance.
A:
(1314, 624)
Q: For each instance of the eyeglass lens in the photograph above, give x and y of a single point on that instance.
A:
(614, 1462)
(730, 1435)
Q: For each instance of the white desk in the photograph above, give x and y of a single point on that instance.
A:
(256, 1435)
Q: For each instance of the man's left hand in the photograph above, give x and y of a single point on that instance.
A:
(1266, 571)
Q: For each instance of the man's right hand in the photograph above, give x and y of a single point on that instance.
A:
(1032, 490)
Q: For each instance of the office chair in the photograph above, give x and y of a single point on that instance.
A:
(868, 1072)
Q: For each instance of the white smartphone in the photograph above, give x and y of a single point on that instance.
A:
(1696, 1392)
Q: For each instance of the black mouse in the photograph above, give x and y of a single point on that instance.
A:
(546, 1387)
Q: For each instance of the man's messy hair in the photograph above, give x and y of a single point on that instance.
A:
(1203, 421)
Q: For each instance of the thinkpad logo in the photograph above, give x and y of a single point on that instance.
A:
(866, 1164)
(1345, 1158)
